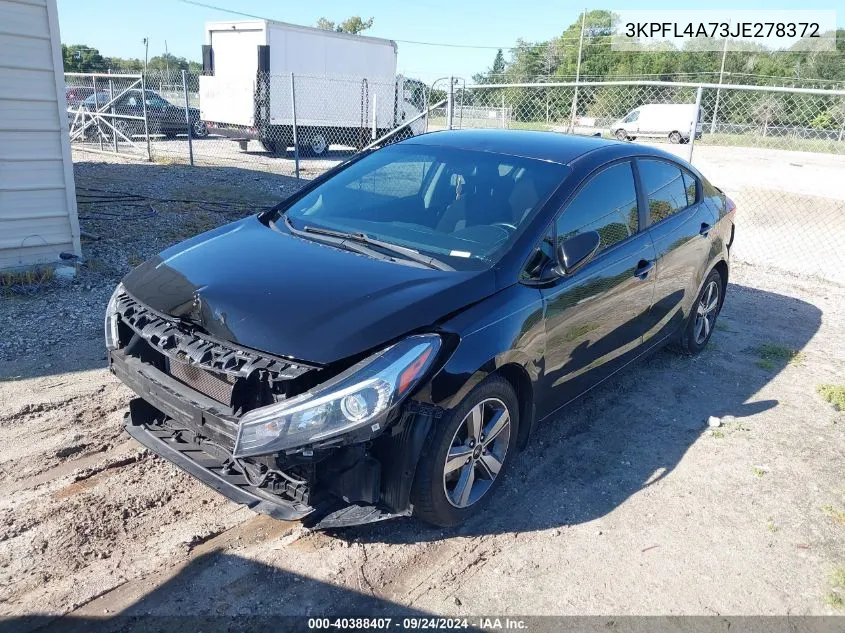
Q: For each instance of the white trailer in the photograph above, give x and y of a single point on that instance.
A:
(346, 86)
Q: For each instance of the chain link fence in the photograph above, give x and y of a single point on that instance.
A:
(778, 152)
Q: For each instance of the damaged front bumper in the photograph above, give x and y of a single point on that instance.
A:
(196, 433)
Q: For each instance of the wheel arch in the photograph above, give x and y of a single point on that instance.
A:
(518, 378)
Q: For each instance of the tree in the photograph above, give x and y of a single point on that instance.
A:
(80, 58)
(353, 25)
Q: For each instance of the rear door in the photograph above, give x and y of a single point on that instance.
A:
(596, 317)
(679, 223)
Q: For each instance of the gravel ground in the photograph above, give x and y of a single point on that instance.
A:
(628, 504)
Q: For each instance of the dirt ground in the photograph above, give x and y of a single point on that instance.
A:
(629, 503)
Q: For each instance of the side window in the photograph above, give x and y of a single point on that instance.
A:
(632, 117)
(607, 204)
(691, 187)
(664, 188)
(399, 179)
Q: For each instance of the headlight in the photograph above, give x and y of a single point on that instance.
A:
(363, 395)
(111, 319)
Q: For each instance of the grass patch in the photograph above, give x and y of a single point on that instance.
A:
(772, 355)
(838, 576)
(192, 223)
(28, 277)
(759, 472)
(770, 525)
(837, 515)
(834, 394)
(833, 599)
(717, 434)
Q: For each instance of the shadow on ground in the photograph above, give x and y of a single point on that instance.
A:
(228, 593)
(634, 429)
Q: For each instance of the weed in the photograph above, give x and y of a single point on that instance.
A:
(771, 355)
(717, 434)
(758, 471)
(838, 577)
(836, 514)
(770, 525)
(26, 277)
(834, 394)
(833, 599)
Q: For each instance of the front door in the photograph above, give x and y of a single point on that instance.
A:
(596, 317)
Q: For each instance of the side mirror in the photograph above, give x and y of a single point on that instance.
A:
(576, 251)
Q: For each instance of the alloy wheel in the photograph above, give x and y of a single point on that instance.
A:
(477, 452)
(706, 312)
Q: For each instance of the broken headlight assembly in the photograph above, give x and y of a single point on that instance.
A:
(111, 319)
(363, 395)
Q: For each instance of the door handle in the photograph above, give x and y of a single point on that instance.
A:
(643, 269)
(705, 229)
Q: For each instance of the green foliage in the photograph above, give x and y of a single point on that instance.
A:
(80, 58)
(834, 394)
(354, 25)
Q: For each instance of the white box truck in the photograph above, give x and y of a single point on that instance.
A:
(346, 86)
(672, 120)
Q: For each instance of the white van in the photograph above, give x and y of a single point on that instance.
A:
(672, 120)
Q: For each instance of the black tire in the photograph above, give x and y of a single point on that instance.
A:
(199, 129)
(272, 146)
(675, 137)
(620, 135)
(690, 342)
(429, 491)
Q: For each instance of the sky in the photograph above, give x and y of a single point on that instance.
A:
(119, 30)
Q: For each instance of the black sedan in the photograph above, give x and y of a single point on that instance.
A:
(384, 342)
(163, 117)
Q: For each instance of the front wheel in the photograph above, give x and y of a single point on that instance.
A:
(466, 454)
(621, 135)
(702, 319)
(674, 137)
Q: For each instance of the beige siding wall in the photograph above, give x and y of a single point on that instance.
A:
(37, 197)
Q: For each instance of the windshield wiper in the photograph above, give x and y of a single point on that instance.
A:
(363, 238)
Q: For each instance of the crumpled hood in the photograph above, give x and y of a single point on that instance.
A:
(289, 296)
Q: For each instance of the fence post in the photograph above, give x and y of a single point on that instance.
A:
(842, 127)
(375, 109)
(111, 98)
(694, 124)
(293, 116)
(188, 117)
(97, 108)
(504, 125)
(146, 120)
(719, 89)
(450, 103)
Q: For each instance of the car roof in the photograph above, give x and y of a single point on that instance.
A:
(556, 147)
(548, 146)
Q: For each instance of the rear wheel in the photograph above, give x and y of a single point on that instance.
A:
(199, 129)
(466, 455)
(702, 318)
(316, 144)
(621, 134)
(675, 137)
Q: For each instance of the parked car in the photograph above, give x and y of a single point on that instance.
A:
(163, 117)
(75, 95)
(385, 340)
(657, 120)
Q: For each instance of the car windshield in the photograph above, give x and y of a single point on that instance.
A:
(455, 204)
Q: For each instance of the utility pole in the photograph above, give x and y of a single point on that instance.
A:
(577, 75)
(167, 60)
(146, 42)
(719, 90)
